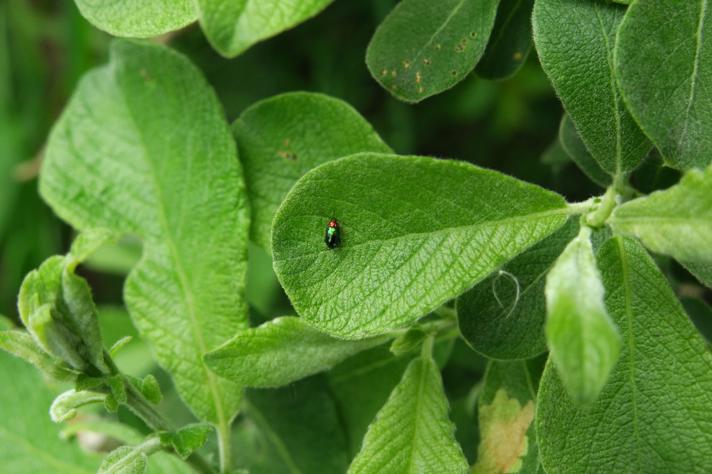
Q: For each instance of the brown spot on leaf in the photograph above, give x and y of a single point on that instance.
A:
(503, 426)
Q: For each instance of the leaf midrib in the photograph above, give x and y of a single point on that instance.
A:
(180, 271)
(562, 211)
(614, 92)
(695, 71)
(630, 336)
(440, 29)
(424, 369)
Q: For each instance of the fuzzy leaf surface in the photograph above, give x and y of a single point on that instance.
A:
(664, 64)
(575, 40)
(143, 148)
(283, 137)
(415, 233)
(412, 432)
(281, 351)
(138, 18)
(423, 47)
(584, 343)
(232, 26)
(653, 415)
(503, 316)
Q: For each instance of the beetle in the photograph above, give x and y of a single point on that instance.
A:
(332, 235)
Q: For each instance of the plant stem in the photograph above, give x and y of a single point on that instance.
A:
(224, 447)
(600, 214)
(142, 408)
(426, 351)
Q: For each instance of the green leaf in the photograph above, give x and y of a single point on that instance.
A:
(361, 385)
(87, 243)
(65, 406)
(57, 308)
(506, 419)
(412, 432)
(573, 145)
(664, 61)
(292, 429)
(575, 40)
(150, 154)
(186, 440)
(130, 459)
(402, 253)
(21, 344)
(423, 48)
(409, 341)
(29, 441)
(653, 415)
(283, 137)
(583, 341)
(138, 18)
(510, 42)
(151, 389)
(232, 26)
(280, 352)
(675, 222)
(503, 316)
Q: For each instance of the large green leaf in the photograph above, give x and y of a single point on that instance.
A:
(675, 222)
(412, 432)
(506, 419)
(423, 47)
(29, 441)
(143, 148)
(294, 430)
(232, 26)
(510, 42)
(415, 232)
(283, 137)
(281, 351)
(664, 63)
(575, 40)
(503, 316)
(583, 341)
(138, 18)
(654, 413)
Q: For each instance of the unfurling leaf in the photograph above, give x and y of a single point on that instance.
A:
(65, 406)
(583, 341)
